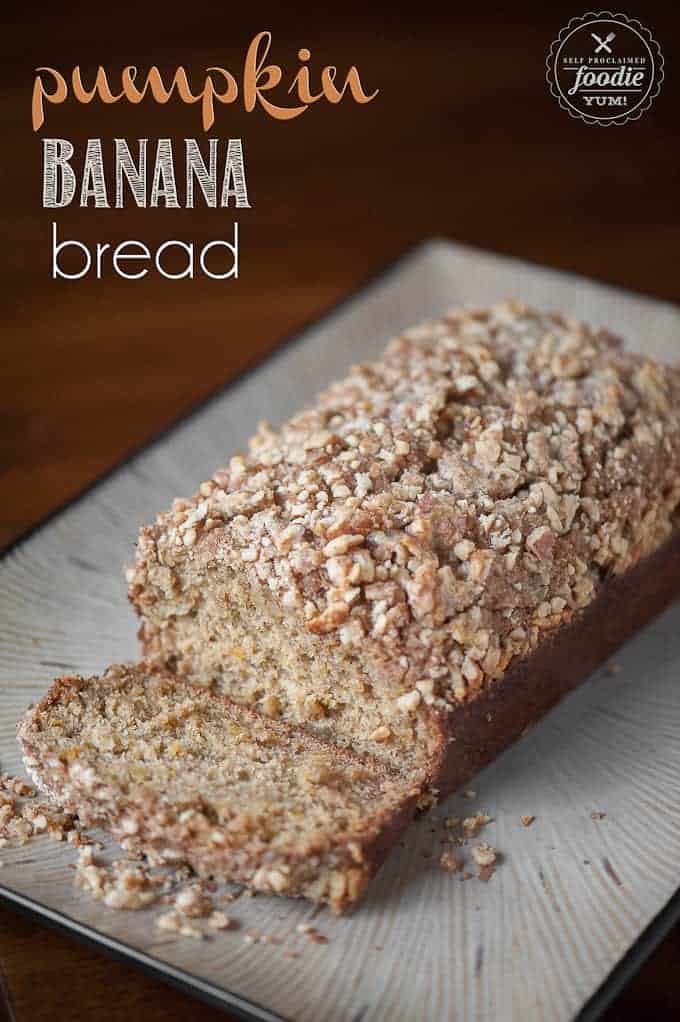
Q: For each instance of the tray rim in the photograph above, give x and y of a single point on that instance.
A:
(245, 1008)
(242, 1008)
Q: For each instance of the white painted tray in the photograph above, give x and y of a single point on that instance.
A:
(573, 895)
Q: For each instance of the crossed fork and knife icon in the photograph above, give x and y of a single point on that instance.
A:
(603, 44)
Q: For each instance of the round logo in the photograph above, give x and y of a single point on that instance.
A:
(605, 68)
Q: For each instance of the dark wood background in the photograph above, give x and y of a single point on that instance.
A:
(464, 140)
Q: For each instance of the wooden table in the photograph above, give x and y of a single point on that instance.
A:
(464, 140)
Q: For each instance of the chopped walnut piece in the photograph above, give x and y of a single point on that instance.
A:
(409, 701)
(120, 886)
(473, 824)
(450, 862)
(219, 921)
(16, 786)
(541, 541)
(271, 706)
(311, 933)
(484, 854)
(169, 921)
(191, 901)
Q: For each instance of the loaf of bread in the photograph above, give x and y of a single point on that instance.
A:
(392, 551)
(418, 566)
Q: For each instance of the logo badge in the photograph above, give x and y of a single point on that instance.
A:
(605, 68)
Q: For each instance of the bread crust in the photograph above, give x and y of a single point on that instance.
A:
(476, 732)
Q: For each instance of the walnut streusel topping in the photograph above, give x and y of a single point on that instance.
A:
(450, 503)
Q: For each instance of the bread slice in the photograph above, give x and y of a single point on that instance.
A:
(195, 777)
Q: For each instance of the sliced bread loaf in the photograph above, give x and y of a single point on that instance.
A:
(383, 594)
(381, 567)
